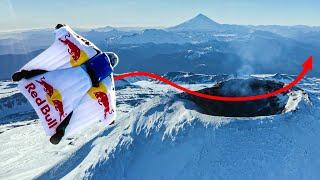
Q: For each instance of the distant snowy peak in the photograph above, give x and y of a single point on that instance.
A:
(112, 28)
(198, 23)
(104, 29)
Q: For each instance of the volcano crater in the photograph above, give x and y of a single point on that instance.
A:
(282, 103)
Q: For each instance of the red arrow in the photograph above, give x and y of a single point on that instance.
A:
(307, 66)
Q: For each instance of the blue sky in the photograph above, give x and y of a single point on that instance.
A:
(26, 14)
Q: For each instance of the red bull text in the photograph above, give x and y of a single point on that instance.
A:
(42, 104)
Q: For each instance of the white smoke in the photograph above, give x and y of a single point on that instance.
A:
(245, 70)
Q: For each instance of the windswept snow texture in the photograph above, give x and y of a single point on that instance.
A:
(158, 135)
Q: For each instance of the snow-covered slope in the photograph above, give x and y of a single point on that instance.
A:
(158, 135)
(13, 106)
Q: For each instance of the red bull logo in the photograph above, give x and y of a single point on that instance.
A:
(103, 101)
(100, 94)
(54, 97)
(46, 87)
(73, 50)
(42, 104)
(78, 56)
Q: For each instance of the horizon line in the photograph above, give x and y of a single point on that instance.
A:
(151, 26)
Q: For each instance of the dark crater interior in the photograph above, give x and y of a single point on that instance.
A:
(241, 87)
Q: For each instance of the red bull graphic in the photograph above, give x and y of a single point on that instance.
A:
(59, 107)
(73, 50)
(42, 104)
(53, 96)
(78, 56)
(103, 101)
(101, 95)
(46, 87)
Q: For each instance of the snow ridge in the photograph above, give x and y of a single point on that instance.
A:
(158, 135)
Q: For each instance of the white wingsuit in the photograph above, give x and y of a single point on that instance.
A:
(64, 89)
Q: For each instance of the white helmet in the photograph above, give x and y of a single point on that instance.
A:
(114, 59)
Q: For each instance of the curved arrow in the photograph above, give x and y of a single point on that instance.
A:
(307, 66)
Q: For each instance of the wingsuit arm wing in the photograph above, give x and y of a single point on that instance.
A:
(68, 50)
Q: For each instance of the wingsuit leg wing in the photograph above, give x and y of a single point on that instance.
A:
(60, 130)
(98, 104)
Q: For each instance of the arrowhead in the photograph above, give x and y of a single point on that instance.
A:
(307, 65)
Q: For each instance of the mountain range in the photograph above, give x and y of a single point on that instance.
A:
(196, 45)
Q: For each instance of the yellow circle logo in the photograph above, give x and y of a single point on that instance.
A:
(55, 96)
(82, 59)
(94, 90)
